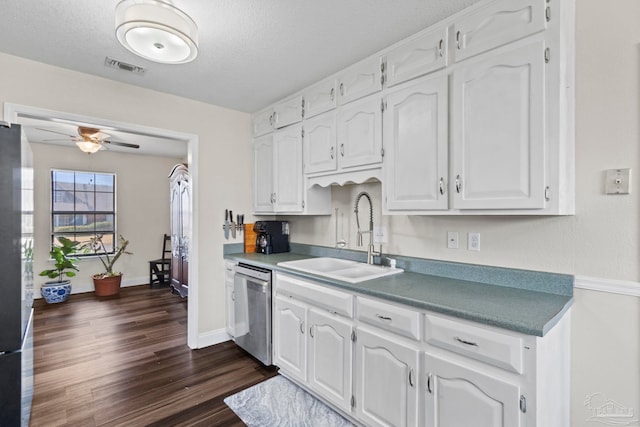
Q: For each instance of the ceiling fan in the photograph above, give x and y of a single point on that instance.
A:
(91, 140)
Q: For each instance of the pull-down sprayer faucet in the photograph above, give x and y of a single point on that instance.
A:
(370, 249)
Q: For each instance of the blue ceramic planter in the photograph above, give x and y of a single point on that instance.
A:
(54, 292)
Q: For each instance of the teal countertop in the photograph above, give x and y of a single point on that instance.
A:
(514, 306)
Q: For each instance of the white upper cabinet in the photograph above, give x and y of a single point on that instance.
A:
(498, 23)
(320, 98)
(416, 146)
(263, 122)
(418, 55)
(361, 79)
(287, 171)
(263, 174)
(287, 112)
(319, 146)
(360, 133)
(498, 110)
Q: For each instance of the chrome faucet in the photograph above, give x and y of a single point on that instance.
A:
(370, 249)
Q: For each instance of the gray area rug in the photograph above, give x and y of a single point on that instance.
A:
(279, 402)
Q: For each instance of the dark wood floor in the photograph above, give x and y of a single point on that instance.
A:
(123, 361)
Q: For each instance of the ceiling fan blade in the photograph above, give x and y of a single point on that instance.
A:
(122, 144)
(55, 131)
(58, 140)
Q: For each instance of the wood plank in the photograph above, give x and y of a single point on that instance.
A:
(124, 361)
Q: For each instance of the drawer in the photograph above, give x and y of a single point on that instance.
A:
(496, 348)
(318, 295)
(399, 320)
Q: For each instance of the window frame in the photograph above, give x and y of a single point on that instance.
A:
(75, 213)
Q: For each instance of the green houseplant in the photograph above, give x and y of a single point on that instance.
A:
(108, 282)
(64, 266)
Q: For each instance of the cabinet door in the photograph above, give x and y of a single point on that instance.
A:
(287, 112)
(498, 23)
(359, 80)
(360, 133)
(417, 56)
(263, 174)
(263, 122)
(319, 98)
(330, 357)
(498, 131)
(290, 350)
(415, 135)
(386, 380)
(229, 268)
(459, 396)
(319, 144)
(287, 171)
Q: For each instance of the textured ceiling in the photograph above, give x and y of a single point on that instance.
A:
(252, 52)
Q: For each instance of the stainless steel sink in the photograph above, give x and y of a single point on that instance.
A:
(340, 269)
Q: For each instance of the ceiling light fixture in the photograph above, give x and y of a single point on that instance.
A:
(157, 31)
(88, 147)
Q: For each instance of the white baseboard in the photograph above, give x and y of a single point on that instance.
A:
(207, 339)
(620, 287)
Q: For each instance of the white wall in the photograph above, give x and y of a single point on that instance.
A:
(222, 163)
(142, 192)
(599, 242)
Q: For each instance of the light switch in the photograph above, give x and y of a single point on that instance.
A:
(618, 181)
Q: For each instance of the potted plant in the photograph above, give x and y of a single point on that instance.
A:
(65, 266)
(108, 282)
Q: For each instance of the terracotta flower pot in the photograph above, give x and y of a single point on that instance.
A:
(107, 286)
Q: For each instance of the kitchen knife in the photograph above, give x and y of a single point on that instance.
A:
(226, 224)
(233, 224)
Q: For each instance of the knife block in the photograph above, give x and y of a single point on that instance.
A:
(249, 238)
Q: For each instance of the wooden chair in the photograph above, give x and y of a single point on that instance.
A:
(160, 269)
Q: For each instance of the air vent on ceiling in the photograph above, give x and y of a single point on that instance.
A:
(119, 65)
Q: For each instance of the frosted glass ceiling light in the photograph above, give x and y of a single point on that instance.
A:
(89, 147)
(157, 31)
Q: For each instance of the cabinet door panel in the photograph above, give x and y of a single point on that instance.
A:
(319, 98)
(417, 56)
(263, 122)
(319, 146)
(498, 23)
(263, 174)
(415, 135)
(360, 133)
(498, 131)
(330, 357)
(459, 396)
(290, 350)
(386, 380)
(288, 169)
(359, 80)
(287, 112)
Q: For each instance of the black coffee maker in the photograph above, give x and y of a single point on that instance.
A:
(272, 237)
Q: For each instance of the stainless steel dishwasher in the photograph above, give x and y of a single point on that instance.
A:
(252, 310)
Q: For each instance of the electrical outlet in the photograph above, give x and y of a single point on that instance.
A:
(452, 239)
(379, 234)
(473, 241)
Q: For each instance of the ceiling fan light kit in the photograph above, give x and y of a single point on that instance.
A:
(157, 31)
(89, 147)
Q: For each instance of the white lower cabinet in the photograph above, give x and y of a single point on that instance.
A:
(330, 357)
(229, 271)
(290, 339)
(386, 372)
(459, 396)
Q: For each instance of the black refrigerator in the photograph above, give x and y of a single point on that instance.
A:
(16, 277)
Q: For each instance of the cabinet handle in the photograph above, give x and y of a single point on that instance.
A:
(332, 94)
(459, 40)
(382, 80)
(458, 184)
(331, 153)
(441, 48)
(342, 150)
(381, 317)
(271, 119)
(465, 342)
(441, 186)
(341, 89)
(411, 377)
(233, 295)
(523, 404)
(429, 379)
(275, 118)
(311, 331)
(302, 328)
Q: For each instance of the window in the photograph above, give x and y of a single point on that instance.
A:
(83, 205)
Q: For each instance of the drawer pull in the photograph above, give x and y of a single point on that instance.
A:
(381, 317)
(461, 341)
